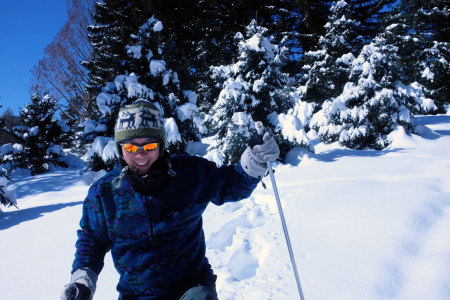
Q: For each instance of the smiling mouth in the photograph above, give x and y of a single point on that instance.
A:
(141, 163)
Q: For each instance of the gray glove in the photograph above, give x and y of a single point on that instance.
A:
(254, 160)
(82, 286)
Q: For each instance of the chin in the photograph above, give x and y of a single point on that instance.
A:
(142, 170)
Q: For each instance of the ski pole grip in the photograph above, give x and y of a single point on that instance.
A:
(257, 138)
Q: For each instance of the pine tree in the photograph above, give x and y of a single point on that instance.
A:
(201, 33)
(115, 21)
(149, 51)
(148, 76)
(326, 67)
(314, 15)
(369, 14)
(41, 136)
(421, 32)
(374, 102)
(251, 90)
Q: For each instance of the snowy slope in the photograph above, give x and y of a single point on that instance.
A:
(363, 225)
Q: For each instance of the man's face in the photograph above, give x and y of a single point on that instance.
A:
(141, 160)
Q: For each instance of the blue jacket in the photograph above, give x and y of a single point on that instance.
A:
(156, 236)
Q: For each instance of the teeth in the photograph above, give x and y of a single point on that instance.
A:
(141, 163)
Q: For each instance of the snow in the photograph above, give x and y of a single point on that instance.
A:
(216, 156)
(363, 225)
(33, 131)
(157, 66)
(158, 26)
(172, 133)
(258, 43)
(93, 126)
(290, 127)
(341, 3)
(135, 89)
(187, 111)
(346, 59)
(105, 100)
(428, 74)
(415, 90)
(241, 119)
(134, 51)
(10, 148)
(55, 149)
(191, 96)
(103, 146)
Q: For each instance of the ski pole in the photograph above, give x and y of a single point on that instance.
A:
(286, 234)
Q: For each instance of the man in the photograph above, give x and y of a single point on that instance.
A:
(149, 213)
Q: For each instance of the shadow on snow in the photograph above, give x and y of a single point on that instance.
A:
(295, 155)
(47, 182)
(13, 218)
(430, 120)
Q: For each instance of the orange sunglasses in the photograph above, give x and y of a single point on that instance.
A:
(134, 148)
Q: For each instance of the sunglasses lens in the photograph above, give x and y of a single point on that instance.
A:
(134, 148)
(130, 147)
(150, 146)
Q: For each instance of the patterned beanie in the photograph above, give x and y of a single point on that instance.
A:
(137, 120)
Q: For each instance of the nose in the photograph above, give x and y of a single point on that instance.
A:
(140, 152)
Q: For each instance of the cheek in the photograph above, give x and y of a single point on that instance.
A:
(127, 158)
(152, 156)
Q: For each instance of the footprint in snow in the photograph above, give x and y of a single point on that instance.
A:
(422, 223)
(224, 236)
(242, 263)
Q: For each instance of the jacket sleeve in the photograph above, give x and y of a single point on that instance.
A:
(93, 240)
(227, 183)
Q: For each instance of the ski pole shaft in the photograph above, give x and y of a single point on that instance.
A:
(286, 234)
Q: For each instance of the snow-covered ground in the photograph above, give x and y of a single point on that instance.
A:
(363, 225)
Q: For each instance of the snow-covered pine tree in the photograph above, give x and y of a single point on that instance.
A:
(369, 14)
(435, 73)
(178, 106)
(115, 21)
(41, 136)
(421, 32)
(147, 77)
(374, 101)
(326, 68)
(251, 89)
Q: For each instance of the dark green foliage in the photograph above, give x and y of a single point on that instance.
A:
(374, 102)
(314, 15)
(200, 33)
(115, 21)
(326, 68)
(96, 163)
(369, 14)
(251, 90)
(317, 47)
(422, 33)
(41, 136)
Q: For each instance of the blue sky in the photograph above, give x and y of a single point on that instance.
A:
(26, 28)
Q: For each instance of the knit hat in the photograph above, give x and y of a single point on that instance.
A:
(137, 120)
